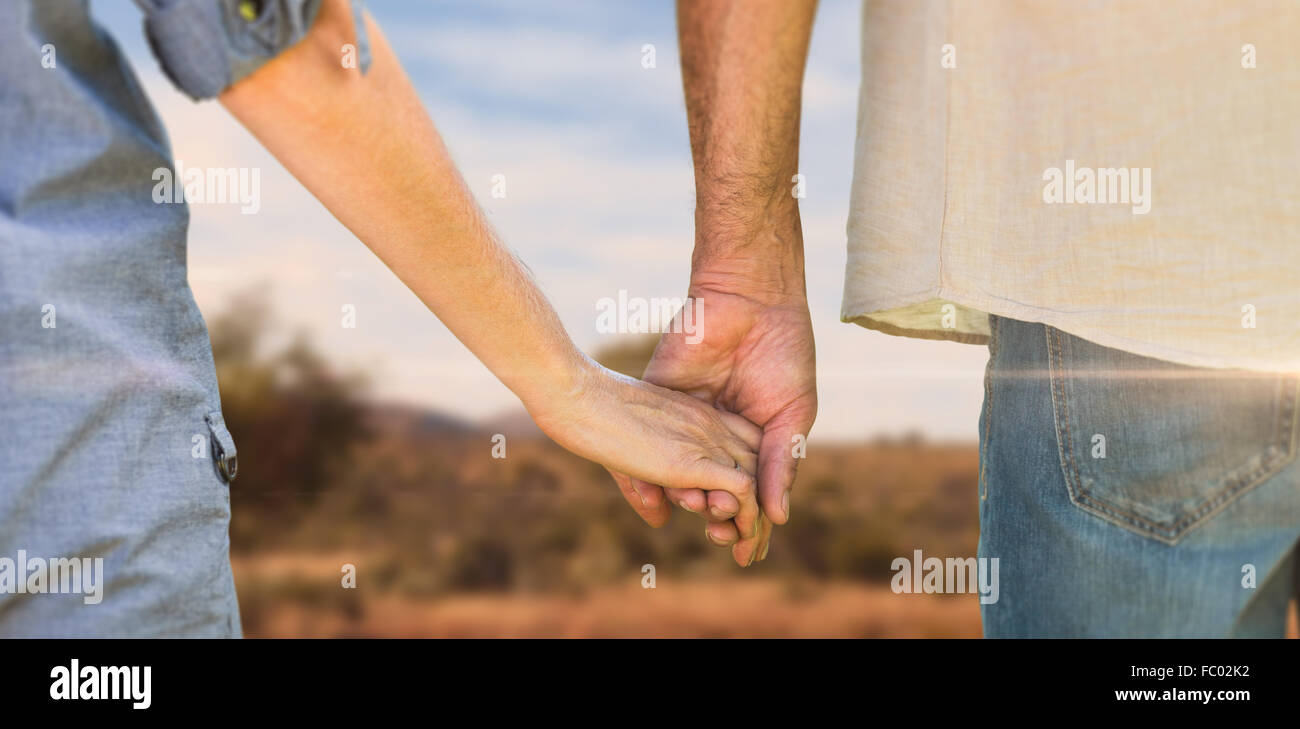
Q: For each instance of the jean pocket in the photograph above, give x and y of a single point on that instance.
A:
(1160, 448)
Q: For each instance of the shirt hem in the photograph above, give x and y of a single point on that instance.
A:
(864, 315)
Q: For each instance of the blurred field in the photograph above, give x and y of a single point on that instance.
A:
(757, 607)
(541, 544)
(448, 541)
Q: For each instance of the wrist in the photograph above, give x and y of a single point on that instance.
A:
(766, 265)
(557, 392)
(753, 249)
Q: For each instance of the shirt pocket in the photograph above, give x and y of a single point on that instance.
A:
(1159, 448)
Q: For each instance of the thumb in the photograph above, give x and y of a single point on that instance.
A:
(777, 464)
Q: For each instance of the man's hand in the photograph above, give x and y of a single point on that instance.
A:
(756, 359)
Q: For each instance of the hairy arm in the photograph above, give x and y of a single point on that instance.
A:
(742, 70)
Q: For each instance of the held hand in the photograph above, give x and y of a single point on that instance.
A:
(658, 435)
(756, 359)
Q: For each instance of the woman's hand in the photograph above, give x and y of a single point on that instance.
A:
(657, 435)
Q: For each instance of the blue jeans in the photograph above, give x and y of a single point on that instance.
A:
(1129, 497)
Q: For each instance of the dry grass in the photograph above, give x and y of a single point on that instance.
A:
(726, 608)
(732, 609)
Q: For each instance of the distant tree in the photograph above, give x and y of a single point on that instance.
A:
(293, 417)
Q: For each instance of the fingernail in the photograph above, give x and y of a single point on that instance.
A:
(785, 504)
(763, 554)
(717, 513)
(640, 496)
(711, 538)
(682, 504)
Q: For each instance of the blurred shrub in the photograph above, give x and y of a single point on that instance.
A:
(293, 419)
(415, 500)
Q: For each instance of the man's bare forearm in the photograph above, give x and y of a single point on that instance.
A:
(742, 69)
(366, 148)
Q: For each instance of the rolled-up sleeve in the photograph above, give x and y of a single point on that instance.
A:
(205, 46)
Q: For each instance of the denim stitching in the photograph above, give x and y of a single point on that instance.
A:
(1232, 485)
(988, 404)
(1064, 442)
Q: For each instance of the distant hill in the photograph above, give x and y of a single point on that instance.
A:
(513, 424)
(404, 420)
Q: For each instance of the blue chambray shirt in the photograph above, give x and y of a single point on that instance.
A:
(112, 444)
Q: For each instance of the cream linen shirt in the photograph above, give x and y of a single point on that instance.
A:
(987, 177)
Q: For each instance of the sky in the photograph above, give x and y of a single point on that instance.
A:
(599, 198)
